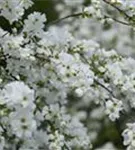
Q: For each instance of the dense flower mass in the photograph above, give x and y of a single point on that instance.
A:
(13, 10)
(58, 83)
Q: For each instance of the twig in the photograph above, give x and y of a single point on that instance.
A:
(116, 20)
(81, 14)
(66, 17)
(120, 10)
(4, 34)
(103, 86)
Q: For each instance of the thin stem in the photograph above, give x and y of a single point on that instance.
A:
(103, 86)
(116, 20)
(120, 10)
(81, 14)
(4, 34)
(66, 17)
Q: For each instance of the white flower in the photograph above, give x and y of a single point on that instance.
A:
(114, 72)
(34, 25)
(129, 136)
(79, 92)
(57, 141)
(94, 9)
(16, 93)
(2, 142)
(89, 10)
(116, 1)
(26, 3)
(113, 108)
(86, 74)
(22, 122)
(13, 9)
(124, 2)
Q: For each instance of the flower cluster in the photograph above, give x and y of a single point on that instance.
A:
(13, 10)
(50, 78)
(113, 109)
(129, 136)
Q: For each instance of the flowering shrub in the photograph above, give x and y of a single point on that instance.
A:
(59, 79)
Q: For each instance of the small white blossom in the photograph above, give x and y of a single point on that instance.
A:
(129, 136)
(13, 9)
(79, 92)
(22, 122)
(33, 26)
(17, 93)
(113, 108)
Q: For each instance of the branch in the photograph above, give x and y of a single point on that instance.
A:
(4, 34)
(103, 86)
(106, 16)
(117, 8)
(66, 17)
(116, 20)
(81, 14)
